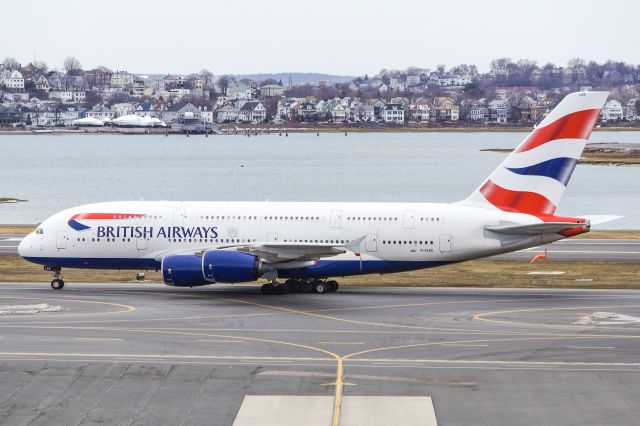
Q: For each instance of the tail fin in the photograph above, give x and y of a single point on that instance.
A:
(534, 177)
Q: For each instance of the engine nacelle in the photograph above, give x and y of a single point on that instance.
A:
(186, 270)
(231, 266)
(183, 270)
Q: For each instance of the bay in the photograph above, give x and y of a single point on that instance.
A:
(54, 172)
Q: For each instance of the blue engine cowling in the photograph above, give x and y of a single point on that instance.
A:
(213, 266)
(230, 266)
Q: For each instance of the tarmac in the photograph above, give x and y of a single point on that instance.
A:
(226, 355)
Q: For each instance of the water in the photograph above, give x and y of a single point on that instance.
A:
(55, 172)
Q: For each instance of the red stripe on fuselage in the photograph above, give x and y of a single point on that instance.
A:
(516, 201)
(105, 216)
(577, 125)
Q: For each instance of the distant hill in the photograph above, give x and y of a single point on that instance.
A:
(298, 77)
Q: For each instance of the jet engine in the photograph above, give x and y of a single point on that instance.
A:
(186, 270)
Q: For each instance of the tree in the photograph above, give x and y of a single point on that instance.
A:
(103, 69)
(500, 64)
(526, 65)
(10, 64)
(206, 75)
(40, 66)
(575, 62)
(72, 66)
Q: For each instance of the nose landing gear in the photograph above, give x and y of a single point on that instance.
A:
(58, 282)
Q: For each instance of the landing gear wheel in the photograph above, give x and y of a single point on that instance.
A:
(293, 285)
(332, 285)
(281, 289)
(57, 284)
(320, 287)
(267, 289)
(306, 287)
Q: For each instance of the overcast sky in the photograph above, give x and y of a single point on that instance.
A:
(330, 36)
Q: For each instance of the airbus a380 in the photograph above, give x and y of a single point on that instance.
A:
(306, 243)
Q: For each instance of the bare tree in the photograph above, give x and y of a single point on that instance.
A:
(526, 65)
(10, 64)
(103, 69)
(206, 75)
(500, 64)
(40, 66)
(72, 66)
(576, 62)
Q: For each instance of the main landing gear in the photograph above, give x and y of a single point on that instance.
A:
(300, 286)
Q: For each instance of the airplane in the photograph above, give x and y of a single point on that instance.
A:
(309, 243)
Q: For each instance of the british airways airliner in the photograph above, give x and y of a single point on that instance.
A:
(307, 243)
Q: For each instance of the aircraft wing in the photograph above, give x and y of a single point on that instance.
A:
(275, 252)
(282, 252)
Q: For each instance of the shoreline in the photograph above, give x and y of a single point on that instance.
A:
(292, 128)
(606, 154)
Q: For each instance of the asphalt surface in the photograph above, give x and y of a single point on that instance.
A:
(568, 250)
(152, 354)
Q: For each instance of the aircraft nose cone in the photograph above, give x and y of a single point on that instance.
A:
(24, 246)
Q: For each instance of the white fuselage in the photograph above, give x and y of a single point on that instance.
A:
(393, 236)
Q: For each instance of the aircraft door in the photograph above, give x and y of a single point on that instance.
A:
(61, 240)
(179, 217)
(371, 243)
(336, 218)
(445, 243)
(141, 243)
(409, 219)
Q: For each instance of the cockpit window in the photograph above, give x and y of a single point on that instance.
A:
(39, 231)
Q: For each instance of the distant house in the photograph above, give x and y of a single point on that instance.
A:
(528, 109)
(14, 81)
(146, 109)
(42, 84)
(238, 90)
(97, 78)
(122, 109)
(612, 110)
(68, 96)
(364, 113)
(99, 112)
(252, 112)
(473, 111)
(269, 90)
(307, 111)
(9, 116)
(421, 110)
(631, 109)
(446, 109)
(121, 79)
(227, 114)
(498, 110)
(285, 107)
(179, 111)
(393, 113)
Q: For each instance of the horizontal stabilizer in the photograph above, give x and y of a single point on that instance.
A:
(595, 219)
(534, 228)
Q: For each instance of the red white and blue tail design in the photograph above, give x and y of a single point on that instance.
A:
(534, 177)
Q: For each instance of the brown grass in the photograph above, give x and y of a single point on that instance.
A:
(467, 274)
(16, 229)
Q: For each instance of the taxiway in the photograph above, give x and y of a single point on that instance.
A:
(152, 354)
